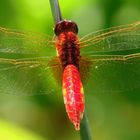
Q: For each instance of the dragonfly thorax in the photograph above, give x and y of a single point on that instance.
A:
(68, 49)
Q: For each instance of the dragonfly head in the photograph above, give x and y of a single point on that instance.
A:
(65, 26)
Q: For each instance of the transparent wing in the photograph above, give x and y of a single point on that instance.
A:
(28, 76)
(112, 73)
(116, 39)
(26, 63)
(15, 42)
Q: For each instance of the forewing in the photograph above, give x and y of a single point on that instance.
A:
(112, 40)
(24, 43)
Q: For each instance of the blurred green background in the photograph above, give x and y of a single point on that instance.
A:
(111, 116)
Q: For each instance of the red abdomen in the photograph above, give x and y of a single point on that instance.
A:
(73, 94)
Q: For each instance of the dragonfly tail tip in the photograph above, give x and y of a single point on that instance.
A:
(77, 126)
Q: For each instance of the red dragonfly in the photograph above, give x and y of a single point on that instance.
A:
(38, 64)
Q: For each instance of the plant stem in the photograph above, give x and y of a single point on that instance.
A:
(56, 12)
(84, 129)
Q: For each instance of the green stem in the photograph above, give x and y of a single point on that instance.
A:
(56, 12)
(84, 129)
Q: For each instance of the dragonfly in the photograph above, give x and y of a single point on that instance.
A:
(39, 64)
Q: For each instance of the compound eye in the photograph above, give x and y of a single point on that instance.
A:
(65, 26)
